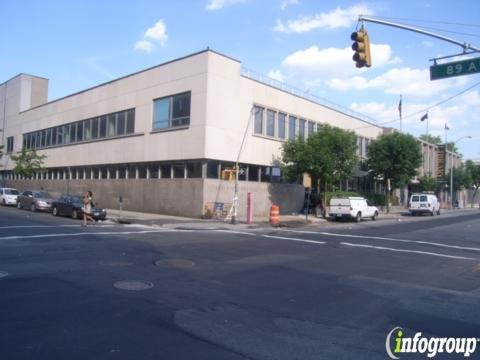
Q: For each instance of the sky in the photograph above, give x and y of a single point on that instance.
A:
(303, 43)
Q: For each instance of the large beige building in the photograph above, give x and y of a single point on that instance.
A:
(161, 138)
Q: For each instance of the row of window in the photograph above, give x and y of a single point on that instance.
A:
(211, 169)
(279, 125)
(105, 126)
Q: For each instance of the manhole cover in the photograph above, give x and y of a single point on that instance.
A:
(3, 274)
(175, 263)
(133, 285)
(116, 263)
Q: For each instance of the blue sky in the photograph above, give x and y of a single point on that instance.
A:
(305, 43)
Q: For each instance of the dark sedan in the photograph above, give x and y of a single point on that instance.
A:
(71, 205)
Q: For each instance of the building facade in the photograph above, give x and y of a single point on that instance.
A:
(164, 139)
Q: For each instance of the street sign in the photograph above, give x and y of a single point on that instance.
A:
(457, 68)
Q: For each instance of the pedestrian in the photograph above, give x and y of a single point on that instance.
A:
(87, 208)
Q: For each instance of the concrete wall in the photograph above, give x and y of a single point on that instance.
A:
(288, 196)
(180, 197)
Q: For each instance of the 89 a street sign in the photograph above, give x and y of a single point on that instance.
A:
(457, 68)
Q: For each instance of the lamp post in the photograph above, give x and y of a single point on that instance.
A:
(451, 168)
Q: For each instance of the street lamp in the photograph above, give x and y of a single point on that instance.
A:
(451, 167)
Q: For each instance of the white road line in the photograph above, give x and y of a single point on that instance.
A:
(294, 239)
(401, 240)
(234, 232)
(47, 226)
(407, 251)
(16, 237)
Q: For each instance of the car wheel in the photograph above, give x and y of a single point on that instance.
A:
(358, 218)
(19, 205)
(33, 207)
(74, 214)
(374, 217)
(55, 211)
(438, 212)
(3, 202)
(432, 213)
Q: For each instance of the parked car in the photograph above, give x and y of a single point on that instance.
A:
(71, 205)
(424, 203)
(35, 200)
(8, 196)
(353, 208)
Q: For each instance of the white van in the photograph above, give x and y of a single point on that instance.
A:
(8, 196)
(424, 203)
(352, 207)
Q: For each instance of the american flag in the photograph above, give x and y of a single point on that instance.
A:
(400, 107)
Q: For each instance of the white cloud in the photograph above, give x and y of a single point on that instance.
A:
(427, 43)
(406, 81)
(213, 5)
(157, 32)
(143, 45)
(285, 3)
(155, 35)
(337, 18)
(330, 62)
(276, 75)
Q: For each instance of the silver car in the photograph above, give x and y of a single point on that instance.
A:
(8, 196)
(35, 200)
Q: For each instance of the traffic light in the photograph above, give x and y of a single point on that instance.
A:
(361, 46)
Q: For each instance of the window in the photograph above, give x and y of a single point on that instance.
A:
(130, 121)
(66, 134)
(253, 172)
(132, 171)
(112, 173)
(178, 171)
(153, 169)
(122, 172)
(94, 128)
(54, 136)
(103, 127)
(49, 137)
(301, 128)
(194, 169)
(311, 128)
(142, 171)
(292, 124)
(171, 111)
(111, 125)
(270, 123)
(281, 125)
(166, 171)
(121, 123)
(212, 169)
(258, 122)
(87, 126)
(79, 131)
(10, 144)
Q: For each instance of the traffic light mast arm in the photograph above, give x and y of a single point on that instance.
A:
(464, 45)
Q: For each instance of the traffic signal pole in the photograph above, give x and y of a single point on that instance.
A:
(465, 46)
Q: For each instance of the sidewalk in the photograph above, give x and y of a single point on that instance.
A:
(288, 221)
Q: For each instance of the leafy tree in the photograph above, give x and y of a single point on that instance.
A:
(329, 155)
(436, 140)
(427, 183)
(395, 156)
(451, 146)
(28, 162)
(474, 171)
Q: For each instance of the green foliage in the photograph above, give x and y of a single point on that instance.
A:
(451, 146)
(396, 157)
(380, 199)
(427, 183)
(28, 163)
(329, 154)
(474, 171)
(339, 194)
(431, 139)
(462, 178)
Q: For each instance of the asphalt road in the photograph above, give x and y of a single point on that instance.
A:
(200, 294)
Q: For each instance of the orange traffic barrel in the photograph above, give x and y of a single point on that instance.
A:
(274, 215)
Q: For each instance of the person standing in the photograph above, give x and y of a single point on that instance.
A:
(87, 208)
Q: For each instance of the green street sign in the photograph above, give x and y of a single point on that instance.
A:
(457, 68)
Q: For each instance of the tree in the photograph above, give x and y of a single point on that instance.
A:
(436, 140)
(474, 171)
(451, 146)
(329, 154)
(395, 157)
(28, 163)
(427, 183)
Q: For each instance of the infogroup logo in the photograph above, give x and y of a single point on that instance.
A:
(397, 343)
